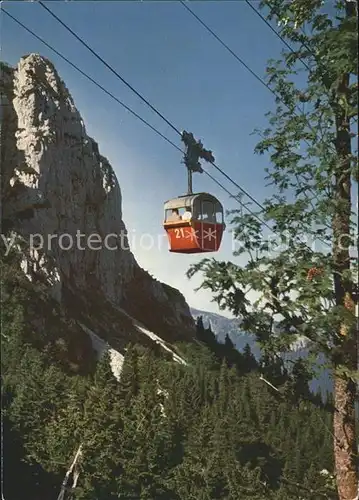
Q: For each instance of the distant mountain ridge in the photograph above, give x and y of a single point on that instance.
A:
(222, 326)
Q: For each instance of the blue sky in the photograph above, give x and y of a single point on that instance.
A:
(160, 49)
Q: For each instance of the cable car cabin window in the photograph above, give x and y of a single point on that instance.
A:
(175, 215)
(219, 214)
(208, 214)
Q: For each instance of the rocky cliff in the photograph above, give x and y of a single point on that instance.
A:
(61, 198)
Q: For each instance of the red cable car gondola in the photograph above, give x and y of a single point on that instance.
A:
(200, 227)
(202, 232)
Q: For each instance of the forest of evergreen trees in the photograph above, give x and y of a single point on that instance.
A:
(211, 429)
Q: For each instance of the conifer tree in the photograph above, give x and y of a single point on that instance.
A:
(99, 433)
(249, 360)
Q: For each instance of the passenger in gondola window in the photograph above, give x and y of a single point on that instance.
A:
(188, 214)
(175, 216)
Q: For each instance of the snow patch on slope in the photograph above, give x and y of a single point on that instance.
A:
(153, 337)
(100, 346)
(158, 340)
(116, 358)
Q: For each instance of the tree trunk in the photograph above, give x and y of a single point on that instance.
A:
(345, 389)
(345, 442)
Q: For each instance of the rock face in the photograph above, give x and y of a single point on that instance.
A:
(62, 197)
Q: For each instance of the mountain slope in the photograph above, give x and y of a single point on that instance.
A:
(61, 209)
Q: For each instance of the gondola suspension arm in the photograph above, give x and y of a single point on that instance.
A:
(194, 152)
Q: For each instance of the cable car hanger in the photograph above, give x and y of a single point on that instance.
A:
(194, 151)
